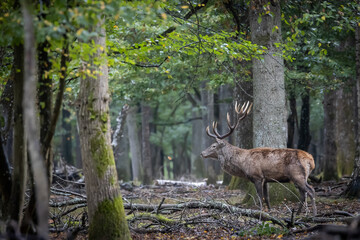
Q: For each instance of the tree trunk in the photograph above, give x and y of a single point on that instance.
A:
(146, 150)
(78, 163)
(226, 105)
(244, 133)
(31, 125)
(353, 188)
(104, 201)
(67, 138)
(19, 174)
(7, 101)
(269, 110)
(345, 130)
(120, 146)
(292, 119)
(330, 167)
(269, 114)
(207, 101)
(134, 142)
(304, 131)
(45, 104)
(197, 164)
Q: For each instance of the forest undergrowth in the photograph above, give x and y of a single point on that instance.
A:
(183, 211)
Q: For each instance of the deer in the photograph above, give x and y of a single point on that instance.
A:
(262, 165)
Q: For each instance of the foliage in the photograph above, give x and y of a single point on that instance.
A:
(263, 229)
(321, 33)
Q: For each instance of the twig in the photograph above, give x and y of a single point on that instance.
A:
(159, 207)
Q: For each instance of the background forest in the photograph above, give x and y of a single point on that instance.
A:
(150, 76)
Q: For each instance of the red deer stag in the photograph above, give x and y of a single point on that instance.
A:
(262, 165)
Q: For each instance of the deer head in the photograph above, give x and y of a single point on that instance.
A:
(213, 150)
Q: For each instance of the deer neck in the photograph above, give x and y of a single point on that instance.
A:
(231, 159)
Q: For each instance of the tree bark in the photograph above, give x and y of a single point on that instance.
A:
(207, 101)
(244, 134)
(345, 130)
(105, 207)
(19, 174)
(269, 114)
(134, 143)
(197, 164)
(225, 103)
(330, 167)
(66, 138)
(146, 150)
(292, 119)
(304, 130)
(353, 189)
(120, 146)
(31, 125)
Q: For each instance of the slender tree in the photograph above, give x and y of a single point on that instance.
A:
(146, 151)
(330, 166)
(31, 125)
(134, 143)
(105, 206)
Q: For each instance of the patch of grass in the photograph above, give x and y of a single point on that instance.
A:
(263, 229)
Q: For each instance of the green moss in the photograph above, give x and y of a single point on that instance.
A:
(159, 217)
(278, 192)
(112, 181)
(109, 221)
(104, 117)
(239, 183)
(101, 153)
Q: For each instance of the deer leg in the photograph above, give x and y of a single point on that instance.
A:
(302, 191)
(259, 190)
(311, 192)
(266, 194)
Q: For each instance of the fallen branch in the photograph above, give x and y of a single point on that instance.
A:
(263, 216)
(67, 203)
(346, 220)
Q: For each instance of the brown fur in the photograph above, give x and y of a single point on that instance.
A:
(262, 165)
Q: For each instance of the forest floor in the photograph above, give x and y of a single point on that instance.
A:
(177, 211)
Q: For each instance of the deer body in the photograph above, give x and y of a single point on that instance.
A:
(263, 165)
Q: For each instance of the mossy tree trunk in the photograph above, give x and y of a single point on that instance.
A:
(105, 207)
(270, 112)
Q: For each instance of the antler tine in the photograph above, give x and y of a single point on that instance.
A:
(246, 111)
(229, 122)
(241, 112)
(215, 130)
(244, 107)
(237, 106)
(249, 110)
(208, 132)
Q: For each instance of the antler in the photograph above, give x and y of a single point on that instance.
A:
(241, 114)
